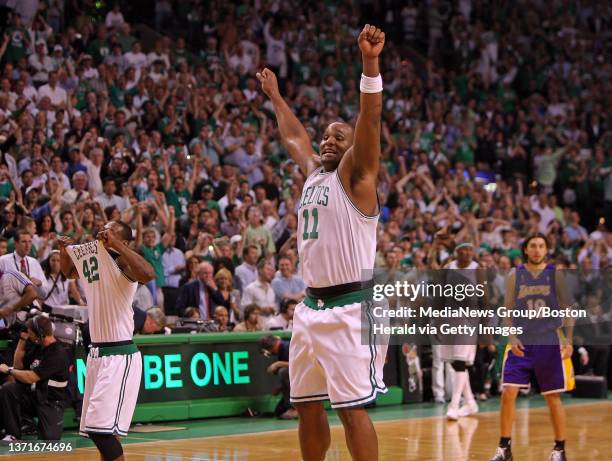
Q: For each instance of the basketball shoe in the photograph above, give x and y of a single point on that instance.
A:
(502, 454)
(558, 455)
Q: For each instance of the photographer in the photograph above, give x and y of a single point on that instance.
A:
(273, 345)
(41, 378)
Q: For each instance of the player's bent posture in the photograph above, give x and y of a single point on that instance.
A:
(110, 271)
(542, 350)
(338, 214)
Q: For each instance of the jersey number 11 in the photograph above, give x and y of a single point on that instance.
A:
(313, 234)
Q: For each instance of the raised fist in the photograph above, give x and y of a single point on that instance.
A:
(371, 41)
(268, 81)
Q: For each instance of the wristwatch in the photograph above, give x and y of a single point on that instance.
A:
(10, 370)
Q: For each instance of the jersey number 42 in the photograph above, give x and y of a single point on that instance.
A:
(90, 270)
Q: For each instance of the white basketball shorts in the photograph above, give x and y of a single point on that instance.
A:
(463, 352)
(111, 392)
(329, 360)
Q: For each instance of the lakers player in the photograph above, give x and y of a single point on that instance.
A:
(542, 349)
(338, 215)
(110, 272)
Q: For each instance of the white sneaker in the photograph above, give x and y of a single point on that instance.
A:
(8, 439)
(452, 413)
(470, 408)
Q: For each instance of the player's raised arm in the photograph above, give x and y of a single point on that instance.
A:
(366, 146)
(66, 265)
(131, 263)
(358, 169)
(293, 134)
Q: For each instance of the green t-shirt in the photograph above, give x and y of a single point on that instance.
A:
(178, 200)
(117, 96)
(465, 153)
(5, 189)
(17, 46)
(98, 49)
(261, 237)
(126, 42)
(169, 138)
(154, 257)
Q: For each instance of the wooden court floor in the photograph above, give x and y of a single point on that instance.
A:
(432, 438)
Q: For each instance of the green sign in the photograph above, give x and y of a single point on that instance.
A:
(199, 370)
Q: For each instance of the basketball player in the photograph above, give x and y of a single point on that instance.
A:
(542, 350)
(338, 214)
(110, 272)
(462, 269)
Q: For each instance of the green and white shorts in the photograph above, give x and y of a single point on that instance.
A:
(333, 355)
(111, 390)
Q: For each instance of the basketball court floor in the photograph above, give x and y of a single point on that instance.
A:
(408, 432)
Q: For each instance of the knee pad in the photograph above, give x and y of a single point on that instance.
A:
(458, 365)
(108, 445)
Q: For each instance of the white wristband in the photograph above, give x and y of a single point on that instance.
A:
(371, 84)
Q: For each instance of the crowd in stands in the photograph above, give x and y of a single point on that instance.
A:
(495, 126)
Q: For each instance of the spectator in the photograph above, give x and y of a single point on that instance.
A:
(233, 225)
(222, 320)
(224, 281)
(153, 252)
(20, 260)
(108, 197)
(191, 313)
(114, 18)
(202, 293)
(57, 287)
(247, 271)
(284, 319)
(143, 299)
(256, 234)
(252, 320)
(260, 291)
(286, 284)
(191, 271)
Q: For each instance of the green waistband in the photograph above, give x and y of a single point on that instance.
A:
(126, 349)
(337, 301)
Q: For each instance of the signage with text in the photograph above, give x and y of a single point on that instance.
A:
(196, 371)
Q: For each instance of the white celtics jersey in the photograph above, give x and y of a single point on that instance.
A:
(108, 290)
(336, 242)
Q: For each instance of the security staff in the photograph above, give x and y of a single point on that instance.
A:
(41, 378)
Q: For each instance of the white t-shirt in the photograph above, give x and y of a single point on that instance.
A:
(258, 293)
(136, 60)
(57, 95)
(114, 19)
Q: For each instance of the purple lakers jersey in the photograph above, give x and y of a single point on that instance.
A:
(534, 293)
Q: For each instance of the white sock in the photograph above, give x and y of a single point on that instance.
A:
(468, 396)
(458, 385)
